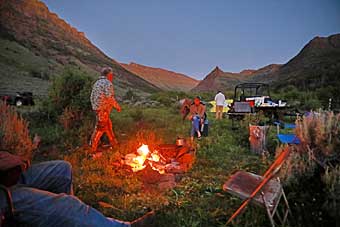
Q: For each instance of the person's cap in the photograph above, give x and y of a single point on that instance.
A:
(198, 97)
(106, 70)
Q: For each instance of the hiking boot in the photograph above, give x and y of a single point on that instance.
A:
(146, 220)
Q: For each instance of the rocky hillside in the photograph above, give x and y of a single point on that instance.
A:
(49, 44)
(164, 79)
(316, 66)
(219, 80)
(265, 71)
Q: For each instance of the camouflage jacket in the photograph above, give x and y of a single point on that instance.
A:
(102, 95)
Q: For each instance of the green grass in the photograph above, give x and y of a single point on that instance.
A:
(197, 199)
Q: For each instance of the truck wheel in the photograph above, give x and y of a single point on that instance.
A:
(18, 102)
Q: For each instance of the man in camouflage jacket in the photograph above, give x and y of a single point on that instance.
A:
(102, 101)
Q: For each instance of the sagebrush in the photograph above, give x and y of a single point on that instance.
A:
(14, 133)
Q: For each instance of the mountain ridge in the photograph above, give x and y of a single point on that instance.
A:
(162, 78)
(217, 79)
(318, 59)
(317, 64)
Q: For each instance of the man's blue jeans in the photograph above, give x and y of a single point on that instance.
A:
(42, 198)
(195, 125)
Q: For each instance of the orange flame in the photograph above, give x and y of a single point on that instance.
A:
(155, 157)
(137, 162)
(143, 150)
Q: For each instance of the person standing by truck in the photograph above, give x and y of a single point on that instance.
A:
(220, 100)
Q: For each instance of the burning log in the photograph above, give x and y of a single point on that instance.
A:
(165, 158)
(138, 162)
(159, 168)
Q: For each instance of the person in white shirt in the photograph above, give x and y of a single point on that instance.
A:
(219, 99)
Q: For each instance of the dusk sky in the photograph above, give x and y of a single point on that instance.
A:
(194, 36)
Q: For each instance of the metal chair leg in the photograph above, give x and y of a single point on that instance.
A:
(268, 210)
(288, 211)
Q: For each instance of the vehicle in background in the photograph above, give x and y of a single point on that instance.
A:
(252, 97)
(18, 99)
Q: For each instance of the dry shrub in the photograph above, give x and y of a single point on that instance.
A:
(312, 170)
(331, 178)
(319, 134)
(70, 118)
(14, 133)
(296, 165)
(320, 145)
(77, 125)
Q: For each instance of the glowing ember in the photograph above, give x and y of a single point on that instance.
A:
(159, 168)
(137, 162)
(143, 150)
(155, 157)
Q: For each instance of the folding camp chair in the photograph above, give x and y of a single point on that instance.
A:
(286, 138)
(265, 191)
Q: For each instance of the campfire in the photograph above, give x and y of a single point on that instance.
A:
(145, 157)
(161, 166)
